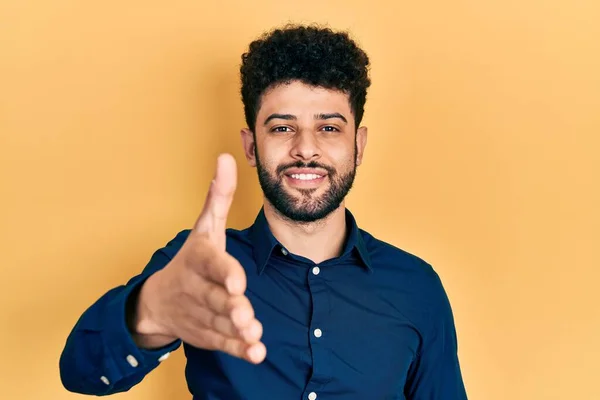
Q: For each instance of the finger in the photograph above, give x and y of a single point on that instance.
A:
(213, 218)
(254, 353)
(224, 325)
(206, 319)
(218, 267)
(219, 301)
(253, 333)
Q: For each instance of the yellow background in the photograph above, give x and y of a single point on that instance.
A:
(484, 121)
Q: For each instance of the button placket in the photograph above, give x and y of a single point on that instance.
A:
(320, 354)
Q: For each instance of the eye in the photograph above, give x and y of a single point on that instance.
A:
(329, 128)
(281, 129)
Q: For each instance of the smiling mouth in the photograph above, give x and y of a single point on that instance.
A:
(305, 181)
(306, 177)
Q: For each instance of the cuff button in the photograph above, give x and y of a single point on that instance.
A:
(132, 361)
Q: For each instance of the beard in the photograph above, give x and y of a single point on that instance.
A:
(308, 207)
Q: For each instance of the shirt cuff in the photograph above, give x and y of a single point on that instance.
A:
(126, 355)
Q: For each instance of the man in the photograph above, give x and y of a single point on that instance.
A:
(303, 304)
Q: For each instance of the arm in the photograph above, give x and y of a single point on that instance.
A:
(101, 355)
(435, 374)
(192, 290)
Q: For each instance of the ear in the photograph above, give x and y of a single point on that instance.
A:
(361, 143)
(249, 146)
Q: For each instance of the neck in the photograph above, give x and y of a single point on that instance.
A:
(318, 241)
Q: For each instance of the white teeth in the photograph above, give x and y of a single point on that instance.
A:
(305, 177)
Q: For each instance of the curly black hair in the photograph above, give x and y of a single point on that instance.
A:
(313, 55)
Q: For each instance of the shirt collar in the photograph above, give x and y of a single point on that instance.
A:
(263, 241)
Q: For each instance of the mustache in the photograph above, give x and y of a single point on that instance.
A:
(300, 164)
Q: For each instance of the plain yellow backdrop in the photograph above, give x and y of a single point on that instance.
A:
(482, 159)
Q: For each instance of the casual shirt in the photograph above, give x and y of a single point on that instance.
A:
(374, 323)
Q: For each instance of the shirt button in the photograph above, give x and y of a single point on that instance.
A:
(318, 333)
(164, 357)
(105, 380)
(284, 251)
(132, 361)
(312, 396)
(316, 270)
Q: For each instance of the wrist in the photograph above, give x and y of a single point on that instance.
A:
(145, 320)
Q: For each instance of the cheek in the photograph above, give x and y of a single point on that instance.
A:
(266, 161)
(342, 154)
(272, 155)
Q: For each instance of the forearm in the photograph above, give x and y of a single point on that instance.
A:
(100, 356)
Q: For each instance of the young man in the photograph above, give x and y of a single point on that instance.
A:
(303, 304)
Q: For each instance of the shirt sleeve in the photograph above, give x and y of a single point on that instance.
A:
(435, 374)
(100, 356)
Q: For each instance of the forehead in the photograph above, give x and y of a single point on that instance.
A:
(301, 99)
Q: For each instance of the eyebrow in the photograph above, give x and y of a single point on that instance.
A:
(280, 116)
(331, 115)
(291, 117)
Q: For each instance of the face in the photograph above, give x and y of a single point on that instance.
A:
(306, 150)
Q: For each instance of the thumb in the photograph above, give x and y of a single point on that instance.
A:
(213, 219)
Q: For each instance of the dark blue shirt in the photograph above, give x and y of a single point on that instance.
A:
(372, 324)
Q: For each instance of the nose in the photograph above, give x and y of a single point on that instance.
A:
(305, 146)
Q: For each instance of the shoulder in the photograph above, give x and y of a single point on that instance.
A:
(388, 256)
(407, 271)
(175, 243)
(235, 238)
(414, 281)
